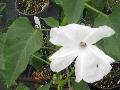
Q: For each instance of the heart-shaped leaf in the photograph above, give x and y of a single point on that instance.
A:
(21, 42)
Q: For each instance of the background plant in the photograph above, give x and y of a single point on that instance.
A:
(22, 45)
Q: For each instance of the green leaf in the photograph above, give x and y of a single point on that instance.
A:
(0, 18)
(50, 21)
(73, 10)
(87, 0)
(80, 86)
(64, 21)
(22, 87)
(58, 2)
(100, 4)
(2, 78)
(90, 14)
(111, 44)
(21, 42)
(36, 63)
(45, 87)
(2, 6)
(2, 43)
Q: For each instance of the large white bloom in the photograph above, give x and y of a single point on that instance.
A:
(77, 42)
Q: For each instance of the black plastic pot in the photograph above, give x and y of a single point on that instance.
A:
(92, 87)
(117, 87)
(10, 13)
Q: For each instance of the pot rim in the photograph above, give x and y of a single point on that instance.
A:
(45, 7)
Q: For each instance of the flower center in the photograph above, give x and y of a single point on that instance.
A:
(83, 44)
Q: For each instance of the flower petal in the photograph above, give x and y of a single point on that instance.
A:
(100, 52)
(96, 65)
(79, 68)
(59, 37)
(77, 32)
(99, 33)
(69, 34)
(62, 58)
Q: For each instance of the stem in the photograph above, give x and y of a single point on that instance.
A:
(69, 85)
(67, 78)
(59, 87)
(59, 82)
(92, 8)
(41, 59)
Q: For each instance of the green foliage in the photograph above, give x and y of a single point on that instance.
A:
(45, 87)
(2, 60)
(2, 6)
(73, 10)
(35, 62)
(0, 18)
(58, 2)
(50, 21)
(21, 42)
(2, 78)
(100, 4)
(80, 86)
(21, 86)
(111, 44)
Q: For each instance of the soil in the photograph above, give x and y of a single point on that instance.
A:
(31, 7)
(112, 79)
(35, 78)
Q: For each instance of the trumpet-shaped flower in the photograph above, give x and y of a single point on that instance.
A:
(77, 42)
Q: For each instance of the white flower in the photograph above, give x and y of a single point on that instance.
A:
(37, 22)
(77, 42)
